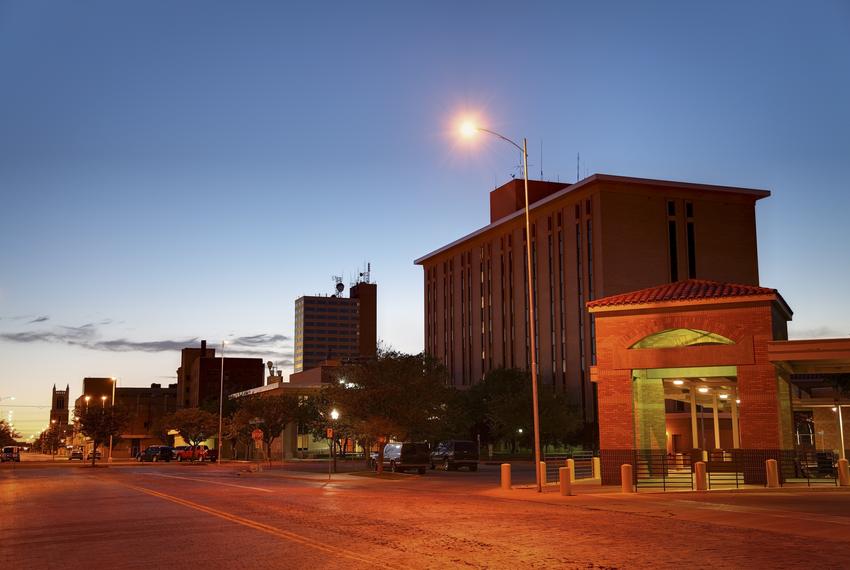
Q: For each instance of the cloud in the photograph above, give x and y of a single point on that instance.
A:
(272, 346)
(817, 332)
(259, 340)
(40, 319)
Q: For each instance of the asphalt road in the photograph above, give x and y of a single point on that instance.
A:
(181, 516)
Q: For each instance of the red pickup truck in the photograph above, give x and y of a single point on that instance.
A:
(200, 453)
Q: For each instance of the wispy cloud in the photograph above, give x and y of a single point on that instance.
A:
(272, 346)
(817, 332)
(39, 319)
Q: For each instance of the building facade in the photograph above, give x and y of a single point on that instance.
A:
(336, 327)
(601, 236)
(59, 403)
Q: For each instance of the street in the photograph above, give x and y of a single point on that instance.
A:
(219, 516)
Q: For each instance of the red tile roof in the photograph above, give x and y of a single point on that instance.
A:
(690, 290)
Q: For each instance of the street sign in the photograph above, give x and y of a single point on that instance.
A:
(257, 435)
(330, 433)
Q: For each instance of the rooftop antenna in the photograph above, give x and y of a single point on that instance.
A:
(578, 162)
(541, 159)
(338, 286)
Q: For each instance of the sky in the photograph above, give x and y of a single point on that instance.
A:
(177, 171)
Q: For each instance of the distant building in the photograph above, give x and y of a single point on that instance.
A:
(98, 390)
(188, 356)
(147, 408)
(59, 406)
(601, 236)
(336, 327)
(199, 376)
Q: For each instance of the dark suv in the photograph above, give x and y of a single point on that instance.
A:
(455, 453)
(406, 456)
(155, 453)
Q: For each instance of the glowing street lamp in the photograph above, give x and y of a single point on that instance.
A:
(334, 418)
(468, 129)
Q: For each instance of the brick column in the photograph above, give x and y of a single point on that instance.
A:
(758, 413)
(616, 422)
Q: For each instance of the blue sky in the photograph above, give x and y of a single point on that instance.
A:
(171, 171)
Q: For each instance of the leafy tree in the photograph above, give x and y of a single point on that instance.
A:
(99, 424)
(8, 435)
(395, 395)
(194, 425)
(237, 429)
(272, 414)
(501, 407)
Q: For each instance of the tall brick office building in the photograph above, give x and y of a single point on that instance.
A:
(602, 236)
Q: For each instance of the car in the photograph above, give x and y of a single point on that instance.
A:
(97, 455)
(175, 451)
(11, 453)
(156, 453)
(454, 454)
(400, 457)
(199, 453)
(75, 454)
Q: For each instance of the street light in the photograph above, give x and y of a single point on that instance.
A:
(468, 129)
(52, 442)
(103, 401)
(221, 403)
(114, 382)
(334, 418)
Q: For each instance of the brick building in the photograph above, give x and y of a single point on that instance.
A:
(601, 236)
(199, 376)
(703, 365)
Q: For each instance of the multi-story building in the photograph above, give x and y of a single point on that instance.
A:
(601, 236)
(336, 327)
(59, 406)
(188, 356)
(96, 392)
(199, 378)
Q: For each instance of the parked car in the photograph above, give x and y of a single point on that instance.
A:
(400, 457)
(155, 453)
(175, 451)
(11, 453)
(75, 454)
(200, 453)
(454, 453)
(97, 455)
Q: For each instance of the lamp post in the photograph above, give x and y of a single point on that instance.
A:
(52, 441)
(468, 130)
(334, 418)
(103, 401)
(114, 382)
(221, 403)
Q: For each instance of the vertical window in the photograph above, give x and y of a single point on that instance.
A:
(692, 250)
(672, 241)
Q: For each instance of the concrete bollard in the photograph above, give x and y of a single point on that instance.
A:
(506, 476)
(843, 473)
(542, 468)
(571, 466)
(626, 482)
(772, 473)
(699, 472)
(566, 484)
(597, 468)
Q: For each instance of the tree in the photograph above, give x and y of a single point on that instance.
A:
(99, 424)
(272, 414)
(237, 429)
(8, 435)
(395, 395)
(194, 425)
(501, 407)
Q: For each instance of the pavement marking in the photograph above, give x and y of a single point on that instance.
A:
(210, 482)
(268, 529)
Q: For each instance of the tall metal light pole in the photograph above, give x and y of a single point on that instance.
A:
(469, 129)
(114, 382)
(221, 402)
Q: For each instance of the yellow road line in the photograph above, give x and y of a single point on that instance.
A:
(211, 482)
(291, 536)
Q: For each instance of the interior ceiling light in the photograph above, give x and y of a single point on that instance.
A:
(678, 382)
(703, 390)
(724, 396)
